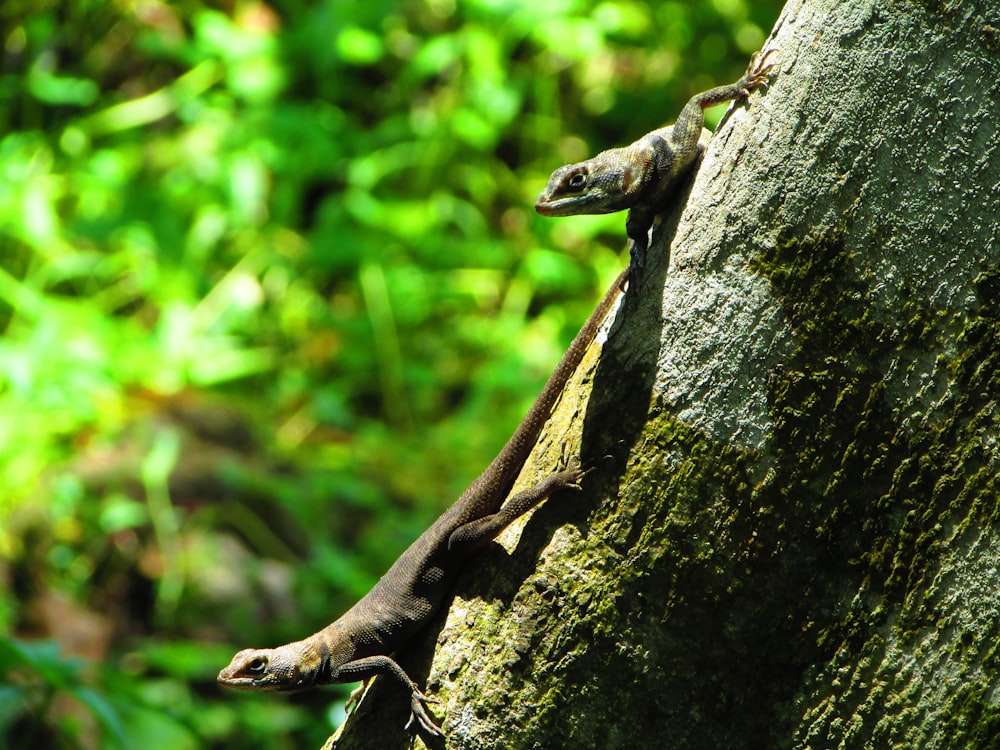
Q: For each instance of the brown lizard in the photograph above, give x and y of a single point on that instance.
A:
(644, 175)
(359, 644)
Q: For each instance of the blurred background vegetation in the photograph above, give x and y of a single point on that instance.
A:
(272, 293)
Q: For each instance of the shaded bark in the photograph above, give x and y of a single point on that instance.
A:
(790, 536)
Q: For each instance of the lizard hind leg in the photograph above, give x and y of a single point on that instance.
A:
(476, 533)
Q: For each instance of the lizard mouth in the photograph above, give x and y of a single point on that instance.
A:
(552, 207)
(575, 205)
(543, 207)
(236, 683)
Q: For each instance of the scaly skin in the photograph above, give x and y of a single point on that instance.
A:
(643, 176)
(358, 645)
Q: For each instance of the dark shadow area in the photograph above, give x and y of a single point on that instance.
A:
(623, 381)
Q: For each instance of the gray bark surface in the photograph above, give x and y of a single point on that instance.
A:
(791, 536)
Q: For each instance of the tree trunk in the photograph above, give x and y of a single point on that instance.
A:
(790, 536)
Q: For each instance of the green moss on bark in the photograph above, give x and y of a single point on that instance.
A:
(877, 476)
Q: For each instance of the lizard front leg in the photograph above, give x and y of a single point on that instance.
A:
(686, 131)
(637, 226)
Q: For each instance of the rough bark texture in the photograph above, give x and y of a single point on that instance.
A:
(791, 537)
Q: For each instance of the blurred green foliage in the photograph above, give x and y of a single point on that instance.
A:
(272, 293)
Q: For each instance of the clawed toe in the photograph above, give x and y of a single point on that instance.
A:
(758, 73)
(418, 714)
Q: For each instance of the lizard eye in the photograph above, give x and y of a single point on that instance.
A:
(577, 182)
(257, 665)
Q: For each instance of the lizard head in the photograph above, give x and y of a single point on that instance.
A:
(600, 185)
(263, 669)
(565, 192)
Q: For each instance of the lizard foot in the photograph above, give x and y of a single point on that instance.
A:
(576, 475)
(758, 72)
(355, 696)
(420, 717)
(570, 471)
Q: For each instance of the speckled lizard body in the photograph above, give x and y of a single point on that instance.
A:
(643, 176)
(359, 644)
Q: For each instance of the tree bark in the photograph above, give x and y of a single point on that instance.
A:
(790, 536)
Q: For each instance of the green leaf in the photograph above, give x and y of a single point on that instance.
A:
(359, 46)
(156, 729)
(53, 89)
(106, 716)
(119, 512)
(187, 660)
(42, 658)
(14, 701)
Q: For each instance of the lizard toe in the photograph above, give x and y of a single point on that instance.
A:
(420, 719)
